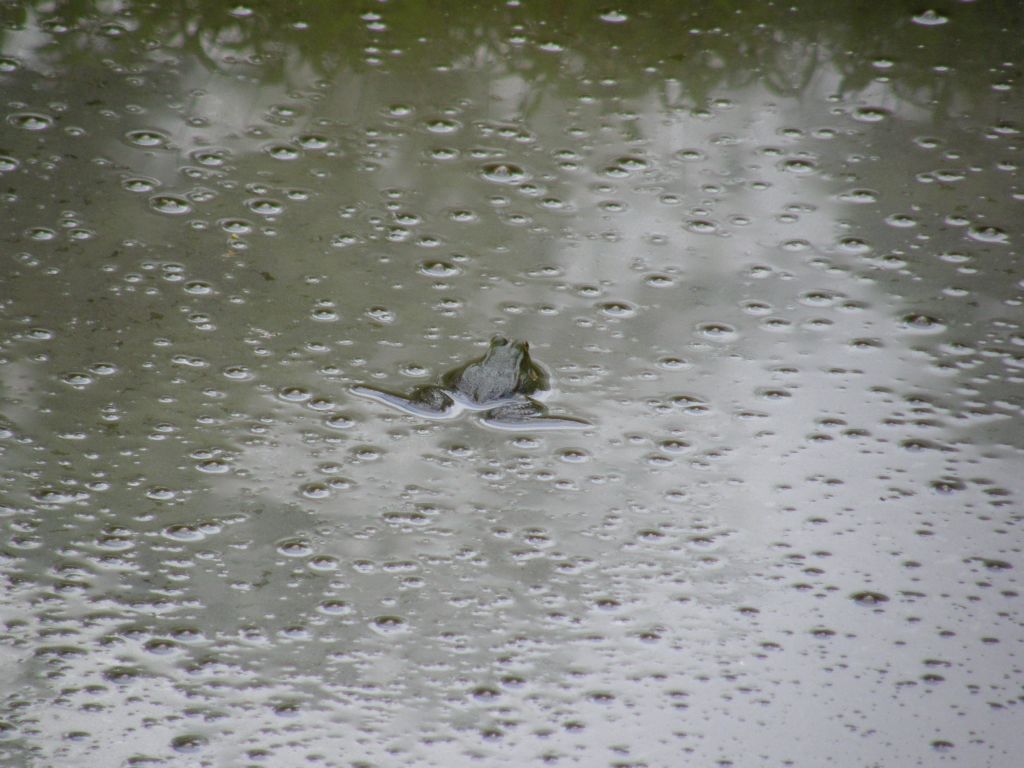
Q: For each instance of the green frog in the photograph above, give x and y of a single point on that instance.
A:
(502, 384)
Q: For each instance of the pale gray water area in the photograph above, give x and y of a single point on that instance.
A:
(771, 254)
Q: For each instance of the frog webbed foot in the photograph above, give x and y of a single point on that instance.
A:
(428, 401)
(431, 399)
(526, 415)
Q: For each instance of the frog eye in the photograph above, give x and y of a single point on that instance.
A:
(499, 341)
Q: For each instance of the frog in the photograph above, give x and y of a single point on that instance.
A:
(504, 385)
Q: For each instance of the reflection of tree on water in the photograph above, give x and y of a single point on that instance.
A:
(698, 47)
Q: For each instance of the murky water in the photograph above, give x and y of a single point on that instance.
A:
(771, 254)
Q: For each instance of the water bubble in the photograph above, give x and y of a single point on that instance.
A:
(77, 379)
(264, 206)
(399, 110)
(170, 204)
(795, 246)
(147, 138)
(922, 323)
(282, 152)
(294, 394)
(389, 625)
(504, 173)
(690, 155)
(188, 744)
(859, 196)
(8, 164)
(988, 234)
(617, 309)
(237, 373)
(439, 269)
(901, 220)
(312, 141)
(198, 288)
(854, 245)
(442, 125)
(574, 456)
(213, 467)
(613, 16)
(865, 344)
(211, 157)
(58, 496)
(947, 485)
(295, 548)
(869, 598)
(701, 227)
(381, 315)
(183, 532)
(334, 608)
(798, 166)
(315, 491)
(659, 281)
(340, 421)
(930, 18)
(139, 184)
(870, 114)
(30, 121)
(717, 331)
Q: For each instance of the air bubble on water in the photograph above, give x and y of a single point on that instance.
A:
(381, 315)
(504, 173)
(658, 280)
(399, 110)
(613, 16)
(188, 744)
(211, 157)
(334, 608)
(929, 18)
(701, 227)
(282, 152)
(30, 121)
(264, 206)
(443, 125)
(854, 245)
(433, 268)
(183, 532)
(988, 234)
(717, 331)
(690, 155)
(389, 625)
(312, 141)
(617, 309)
(8, 164)
(870, 114)
(868, 597)
(139, 184)
(77, 379)
(172, 205)
(296, 547)
(198, 288)
(922, 323)
(799, 166)
(147, 138)
(795, 246)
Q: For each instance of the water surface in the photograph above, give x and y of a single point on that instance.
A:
(772, 254)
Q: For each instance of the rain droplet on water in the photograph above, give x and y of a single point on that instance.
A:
(504, 173)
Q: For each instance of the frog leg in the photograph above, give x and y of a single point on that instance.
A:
(528, 415)
(427, 401)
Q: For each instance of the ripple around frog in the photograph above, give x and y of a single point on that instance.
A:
(501, 384)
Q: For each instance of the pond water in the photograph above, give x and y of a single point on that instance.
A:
(770, 253)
